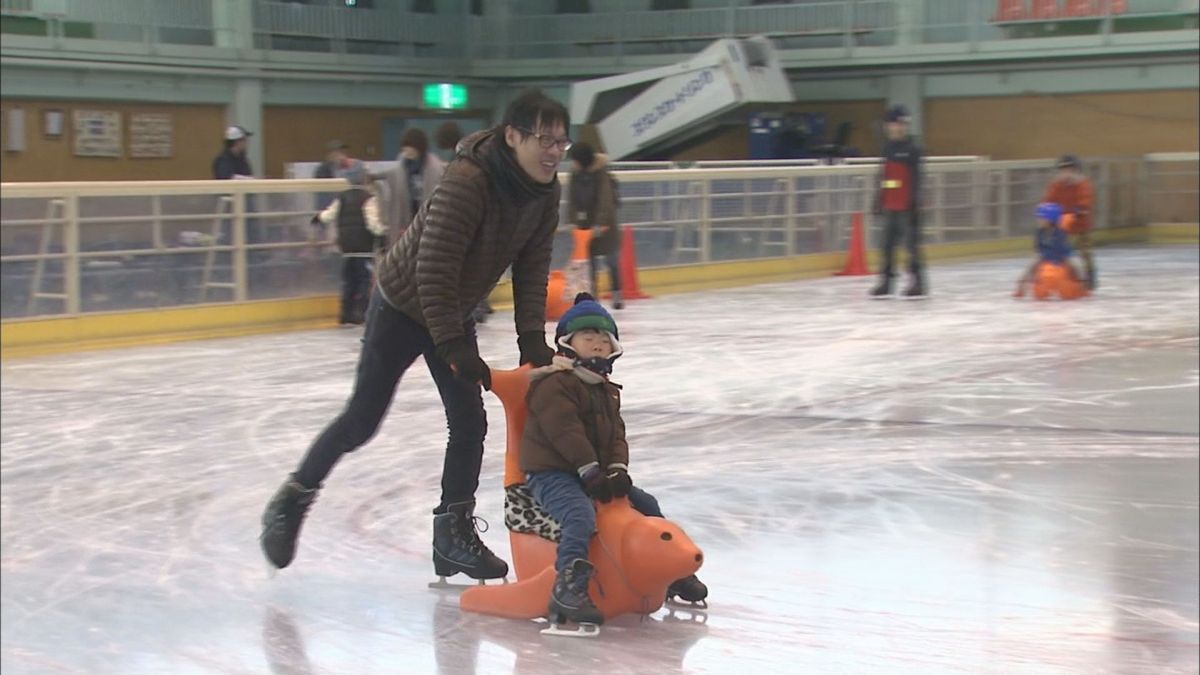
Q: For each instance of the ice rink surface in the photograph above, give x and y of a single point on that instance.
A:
(970, 484)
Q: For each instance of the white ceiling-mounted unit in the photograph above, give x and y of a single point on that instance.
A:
(639, 111)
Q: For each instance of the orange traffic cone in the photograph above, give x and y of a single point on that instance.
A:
(630, 290)
(856, 261)
(556, 296)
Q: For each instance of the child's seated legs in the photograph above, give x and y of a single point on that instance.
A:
(689, 588)
(644, 503)
(561, 494)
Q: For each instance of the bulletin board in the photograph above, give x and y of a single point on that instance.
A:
(151, 135)
(97, 133)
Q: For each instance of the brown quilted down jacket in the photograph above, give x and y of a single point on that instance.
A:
(485, 214)
(572, 424)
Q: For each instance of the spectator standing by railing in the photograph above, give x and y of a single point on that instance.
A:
(1073, 191)
(898, 200)
(232, 162)
(416, 174)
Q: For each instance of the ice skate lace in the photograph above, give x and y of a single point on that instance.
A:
(474, 543)
(298, 508)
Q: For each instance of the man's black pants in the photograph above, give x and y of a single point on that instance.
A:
(904, 224)
(391, 342)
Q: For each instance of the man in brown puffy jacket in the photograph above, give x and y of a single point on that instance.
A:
(496, 205)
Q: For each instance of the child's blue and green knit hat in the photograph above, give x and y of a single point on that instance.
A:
(586, 313)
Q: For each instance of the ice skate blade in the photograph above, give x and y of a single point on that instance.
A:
(880, 297)
(688, 615)
(914, 297)
(687, 604)
(585, 630)
(442, 585)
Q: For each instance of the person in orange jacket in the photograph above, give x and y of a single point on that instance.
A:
(1073, 191)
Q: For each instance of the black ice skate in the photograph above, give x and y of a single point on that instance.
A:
(915, 291)
(282, 520)
(457, 548)
(882, 290)
(569, 601)
(688, 592)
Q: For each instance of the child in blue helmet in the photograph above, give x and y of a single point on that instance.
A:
(1050, 244)
(574, 450)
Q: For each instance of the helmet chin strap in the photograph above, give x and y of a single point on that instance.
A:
(597, 364)
(601, 365)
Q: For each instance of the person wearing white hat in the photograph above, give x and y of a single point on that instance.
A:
(232, 162)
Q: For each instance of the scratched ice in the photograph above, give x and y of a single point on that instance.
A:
(969, 484)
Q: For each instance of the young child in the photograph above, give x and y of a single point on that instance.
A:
(1050, 243)
(355, 212)
(574, 451)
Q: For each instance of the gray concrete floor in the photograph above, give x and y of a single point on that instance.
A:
(967, 484)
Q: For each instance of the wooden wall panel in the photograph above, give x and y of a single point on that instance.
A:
(1028, 127)
(197, 140)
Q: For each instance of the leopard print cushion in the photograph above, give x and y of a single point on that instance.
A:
(523, 514)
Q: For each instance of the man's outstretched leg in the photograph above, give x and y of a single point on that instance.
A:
(456, 543)
(391, 342)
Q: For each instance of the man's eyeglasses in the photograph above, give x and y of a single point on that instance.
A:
(545, 141)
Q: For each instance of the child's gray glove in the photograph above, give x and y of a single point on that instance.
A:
(596, 484)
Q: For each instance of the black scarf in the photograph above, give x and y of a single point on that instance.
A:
(510, 179)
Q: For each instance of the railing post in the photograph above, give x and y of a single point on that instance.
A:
(847, 19)
(705, 221)
(789, 209)
(980, 196)
(620, 37)
(939, 206)
(1103, 200)
(72, 287)
(1143, 198)
(973, 20)
(156, 211)
(238, 257)
(1005, 206)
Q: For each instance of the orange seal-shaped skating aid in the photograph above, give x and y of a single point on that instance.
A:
(636, 557)
(1053, 279)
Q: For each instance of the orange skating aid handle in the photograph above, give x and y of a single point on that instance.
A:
(583, 239)
(510, 386)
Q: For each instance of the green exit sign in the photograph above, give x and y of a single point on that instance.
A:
(443, 96)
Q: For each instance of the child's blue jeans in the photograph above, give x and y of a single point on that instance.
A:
(562, 495)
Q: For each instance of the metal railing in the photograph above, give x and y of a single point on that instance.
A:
(288, 26)
(72, 248)
(614, 30)
(1172, 187)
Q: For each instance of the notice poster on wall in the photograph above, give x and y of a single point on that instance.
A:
(150, 135)
(97, 133)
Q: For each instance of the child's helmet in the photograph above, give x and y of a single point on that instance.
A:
(1049, 211)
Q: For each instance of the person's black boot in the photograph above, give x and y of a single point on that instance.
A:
(282, 520)
(916, 290)
(882, 290)
(569, 599)
(689, 589)
(457, 547)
